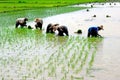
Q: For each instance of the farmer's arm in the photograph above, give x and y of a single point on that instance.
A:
(99, 35)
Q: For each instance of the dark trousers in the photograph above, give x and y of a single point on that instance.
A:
(21, 24)
(49, 29)
(92, 34)
(38, 25)
(62, 30)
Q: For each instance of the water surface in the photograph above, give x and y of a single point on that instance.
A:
(106, 66)
(30, 54)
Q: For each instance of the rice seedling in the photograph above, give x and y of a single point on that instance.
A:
(76, 78)
(32, 54)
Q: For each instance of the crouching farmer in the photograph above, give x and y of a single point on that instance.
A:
(21, 22)
(39, 23)
(49, 28)
(93, 31)
(61, 30)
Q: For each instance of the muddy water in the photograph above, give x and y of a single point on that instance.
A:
(106, 66)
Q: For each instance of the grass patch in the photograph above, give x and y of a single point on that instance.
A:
(8, 19)
(16, 5)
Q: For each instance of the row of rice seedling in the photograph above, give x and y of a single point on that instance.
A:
(27, 54)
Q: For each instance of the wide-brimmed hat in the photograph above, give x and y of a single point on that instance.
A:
(101, 27)
(55, 27)
(37, 19)
(56, 24)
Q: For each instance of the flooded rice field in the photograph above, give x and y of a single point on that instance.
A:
(33, 55)
(106, 65)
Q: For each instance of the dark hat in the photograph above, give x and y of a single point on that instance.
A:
(26, 19)
(79, 31)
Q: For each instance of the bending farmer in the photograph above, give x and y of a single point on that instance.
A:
(21, 22)
(93, 31)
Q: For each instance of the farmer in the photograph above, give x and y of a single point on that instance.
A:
(49, 28)
(21, 22)
(39, 23)
(61, 30)
(93, 31)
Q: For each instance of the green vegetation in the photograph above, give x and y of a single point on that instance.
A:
(27, 54)
(8, 19)
(15, 5)
(30, 54)
(113, 0)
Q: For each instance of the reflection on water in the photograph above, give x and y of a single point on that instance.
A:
(83, 19)
(107, 56)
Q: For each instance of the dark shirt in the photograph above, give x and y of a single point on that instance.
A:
(93, 32)
(62, 30)
(91, 29)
